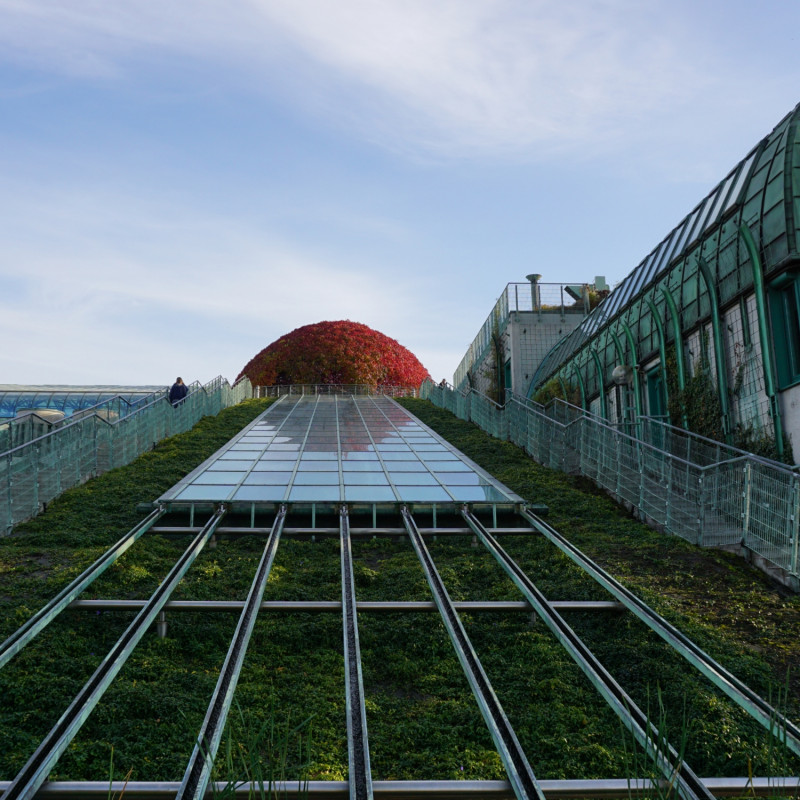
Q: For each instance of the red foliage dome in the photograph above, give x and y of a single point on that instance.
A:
(335, 352)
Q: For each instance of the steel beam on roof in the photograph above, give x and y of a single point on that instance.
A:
(384, 530)
(201, 762)
(359, 772)
(508, 747)
(292, 606)
(27, 782)
(739, 692)
(607, 789)
(48, 613)
(676, 771)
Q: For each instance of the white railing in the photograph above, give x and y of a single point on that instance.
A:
(35, 472)
(740, 500)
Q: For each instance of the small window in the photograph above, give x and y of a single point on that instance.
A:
(784, 298)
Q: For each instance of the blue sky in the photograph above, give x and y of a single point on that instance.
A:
(182, 182)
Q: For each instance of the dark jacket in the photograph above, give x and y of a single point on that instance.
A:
(177, 393)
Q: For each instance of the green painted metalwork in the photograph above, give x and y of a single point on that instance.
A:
(775, 722)
(577, 370)
(601, 381)
(36, 770)
(637, 387)
(719, 348)
(563, 385)
(662, 347)
(762, 192)
(676, 332)
(677, 772)
(763, 334)
(201, 763)
(46, 615)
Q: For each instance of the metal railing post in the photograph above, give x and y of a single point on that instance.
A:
(701, 507)
(794, 566)
(747, 495)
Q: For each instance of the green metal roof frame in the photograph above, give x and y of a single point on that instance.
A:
(762, 193)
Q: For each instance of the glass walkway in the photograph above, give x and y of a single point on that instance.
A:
(339, 449)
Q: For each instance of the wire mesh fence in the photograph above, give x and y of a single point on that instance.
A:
(38, 470)
(708, 493)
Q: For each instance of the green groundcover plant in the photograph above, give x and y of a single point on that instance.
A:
(422, 720)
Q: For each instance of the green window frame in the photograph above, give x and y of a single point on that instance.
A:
(784, 300)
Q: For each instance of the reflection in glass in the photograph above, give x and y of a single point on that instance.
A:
(302, 459)
(222, 466)
(423, 493)
(211, 477)
(263, 494)
(268, 478)
(369, 494)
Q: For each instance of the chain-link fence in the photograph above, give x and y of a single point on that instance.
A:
(88, 444)
(709, 493)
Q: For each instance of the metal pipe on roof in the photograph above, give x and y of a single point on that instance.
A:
(605, 789)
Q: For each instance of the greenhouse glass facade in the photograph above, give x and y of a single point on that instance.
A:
(15, 399)
(705, 331)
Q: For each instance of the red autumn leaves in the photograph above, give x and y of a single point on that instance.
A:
(335, 352)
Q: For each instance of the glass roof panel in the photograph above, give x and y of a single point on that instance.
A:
(334, 448)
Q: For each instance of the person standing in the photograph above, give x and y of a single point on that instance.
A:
(178, 392)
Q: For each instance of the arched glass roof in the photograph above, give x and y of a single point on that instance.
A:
(751, 193)
(68, 399)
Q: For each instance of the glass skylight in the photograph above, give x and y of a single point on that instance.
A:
(339, 448)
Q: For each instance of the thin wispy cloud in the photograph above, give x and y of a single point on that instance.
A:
(456, 77)
(184, 182)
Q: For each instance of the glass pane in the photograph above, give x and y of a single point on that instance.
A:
(205, 493)
(317, 478)
(370, 494)
(268, 478)
(263, 494)
(423, 494)
(212, 477)
(365, 479)
(230, 466)
(316, 493)
(415, 479)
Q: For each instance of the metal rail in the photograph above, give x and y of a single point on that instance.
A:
(361, 605)
(359, 772)
(201, 762)
(676, 771)
(39, 765)
(740, 693)
(608, 789)
(11, 646)
(517, 767)
(318, 531)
